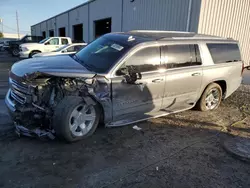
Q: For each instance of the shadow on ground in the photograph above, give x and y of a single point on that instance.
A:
(181, 150)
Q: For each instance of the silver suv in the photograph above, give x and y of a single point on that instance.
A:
(122, 78)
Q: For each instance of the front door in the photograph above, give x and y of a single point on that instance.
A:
(137, 100)
(52, 45)
(183, 76)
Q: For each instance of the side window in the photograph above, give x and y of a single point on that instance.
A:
(224, 53)
(176, 56)
(145, 60)
(71, 49)
(64, 41)
(28, 39)
(195, 53)
(54, 41)
(78, 48)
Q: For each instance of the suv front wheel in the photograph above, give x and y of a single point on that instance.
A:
(211, 98)
(74, 119)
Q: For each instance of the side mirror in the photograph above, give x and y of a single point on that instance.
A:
(64, 51)
(47, 43)
(132, 74)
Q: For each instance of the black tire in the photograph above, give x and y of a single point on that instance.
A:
(15, 52)
(201, 104)
(33, 53)
(62, 116)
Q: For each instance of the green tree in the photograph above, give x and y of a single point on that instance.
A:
(1, 35)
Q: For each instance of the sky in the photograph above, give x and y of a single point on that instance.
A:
(31, 12)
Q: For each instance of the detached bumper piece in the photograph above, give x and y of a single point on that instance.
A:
(35, 133)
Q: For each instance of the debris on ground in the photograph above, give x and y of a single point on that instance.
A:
(191, 139)
(137, 128)
(37, 132)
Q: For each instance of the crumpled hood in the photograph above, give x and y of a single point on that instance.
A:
(63, 66)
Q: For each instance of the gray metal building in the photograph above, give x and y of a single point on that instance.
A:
(226, 18)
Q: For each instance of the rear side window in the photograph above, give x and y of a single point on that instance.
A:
(224, 53)
(176, 56)
(78, 48)
(64, 41)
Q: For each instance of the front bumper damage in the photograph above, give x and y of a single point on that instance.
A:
(37, 132)
(16, 113)
(35, 119)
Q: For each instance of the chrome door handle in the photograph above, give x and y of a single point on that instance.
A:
(157, 80)
(196, 74)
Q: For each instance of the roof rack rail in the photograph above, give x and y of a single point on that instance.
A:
(156, 31)
(201, 37)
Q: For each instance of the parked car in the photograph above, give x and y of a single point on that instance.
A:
(46, 45)
(123, 78)
(14, 45)
(1, 46)
(65, 50)
(6, 46)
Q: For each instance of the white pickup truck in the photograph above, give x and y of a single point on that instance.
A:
(46, 45)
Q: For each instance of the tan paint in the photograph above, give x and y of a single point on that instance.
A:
(227, 18)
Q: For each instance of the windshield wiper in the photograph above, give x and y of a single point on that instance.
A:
(92, 67)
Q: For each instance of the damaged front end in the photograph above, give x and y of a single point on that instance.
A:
(33, 98)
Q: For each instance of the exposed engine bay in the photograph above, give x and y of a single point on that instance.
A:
(38, 95)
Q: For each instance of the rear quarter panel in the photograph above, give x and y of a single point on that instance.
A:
(228, 72)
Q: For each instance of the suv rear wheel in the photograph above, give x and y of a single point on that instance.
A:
(211, 98)
(75, 120)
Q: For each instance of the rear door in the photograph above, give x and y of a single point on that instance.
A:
(183, 76)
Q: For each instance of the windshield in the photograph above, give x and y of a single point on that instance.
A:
(23, 37)
(102, 54)
(44, 40)
(60, 49)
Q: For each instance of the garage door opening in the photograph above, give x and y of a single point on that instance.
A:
(78, 33)
(62, 32)
(102, 27)
(51, 33)
(44, 34)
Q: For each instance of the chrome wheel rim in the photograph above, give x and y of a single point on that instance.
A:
(82, 120)
(212, 99)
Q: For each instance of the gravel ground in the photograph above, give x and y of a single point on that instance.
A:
(181, 150)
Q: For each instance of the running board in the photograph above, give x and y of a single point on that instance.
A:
(147, 116)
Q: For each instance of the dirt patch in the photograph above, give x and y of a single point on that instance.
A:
(181, 150)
